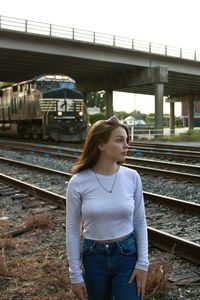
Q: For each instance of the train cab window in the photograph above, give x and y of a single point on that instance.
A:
(40, 84)
(1, 93)
(21, 87)
(71, 85)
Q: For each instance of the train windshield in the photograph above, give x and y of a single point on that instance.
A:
(51, 85)
(50, 82)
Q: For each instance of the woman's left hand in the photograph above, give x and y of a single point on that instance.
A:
(140, 276)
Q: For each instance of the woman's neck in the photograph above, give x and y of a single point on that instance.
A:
(105, 169)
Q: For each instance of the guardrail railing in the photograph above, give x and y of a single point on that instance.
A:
(40, 28)
(152, 133)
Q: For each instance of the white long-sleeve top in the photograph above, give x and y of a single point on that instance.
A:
(104, 215)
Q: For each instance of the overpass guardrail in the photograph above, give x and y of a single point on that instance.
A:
(59, 31)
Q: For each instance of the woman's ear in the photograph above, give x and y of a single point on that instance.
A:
(101, 146)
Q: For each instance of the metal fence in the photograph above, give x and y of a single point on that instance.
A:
(58, 31)
(152, 133)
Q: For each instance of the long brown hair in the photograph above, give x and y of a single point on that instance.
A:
(98, 133)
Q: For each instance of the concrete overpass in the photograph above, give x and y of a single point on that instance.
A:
(100, 61)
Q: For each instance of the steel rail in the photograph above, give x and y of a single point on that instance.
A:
(62, 150)
(168, 147)
(186, 167)
(34, 190)
(165, 150)
(192, 207)
(184, 154)
(164, 173)
(174, 244)
(165, 153)
(159, 239)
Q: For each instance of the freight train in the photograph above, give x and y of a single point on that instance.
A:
(45, 107)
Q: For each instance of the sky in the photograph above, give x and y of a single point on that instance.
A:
(172, 23)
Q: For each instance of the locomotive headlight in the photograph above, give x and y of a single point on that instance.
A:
(80, 113)
(60, 113)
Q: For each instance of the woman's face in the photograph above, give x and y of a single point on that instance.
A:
(116, 147)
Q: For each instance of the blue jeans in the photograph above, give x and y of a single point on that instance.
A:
(108, 267)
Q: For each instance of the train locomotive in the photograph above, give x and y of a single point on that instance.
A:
(45, 107)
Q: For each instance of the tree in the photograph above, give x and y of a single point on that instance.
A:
(121, 115)
(135, 113)
(5, 84)
(97, 117)
(97, 99)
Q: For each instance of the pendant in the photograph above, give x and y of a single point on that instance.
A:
(108, 191)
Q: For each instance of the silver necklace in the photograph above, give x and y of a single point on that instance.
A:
(103, 187)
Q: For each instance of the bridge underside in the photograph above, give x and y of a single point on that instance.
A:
(100, 67)
(16, 66)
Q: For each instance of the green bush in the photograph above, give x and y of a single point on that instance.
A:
(97, 117)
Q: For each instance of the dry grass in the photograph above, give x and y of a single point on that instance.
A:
(35, 275)
(8, 243)
(3, 265)
(43, 275)
(39, 220)
(158, 277)
(35, 266)
(3, 226)
(31, 269)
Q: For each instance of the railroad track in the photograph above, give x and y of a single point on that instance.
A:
(166, 146)
(136, 149)
(166, 151)
(37, 250)
(164, 172)
(52, 239)
(166, 165)
(33, 261)
(59, 199)
(192, 207)
(171, 170)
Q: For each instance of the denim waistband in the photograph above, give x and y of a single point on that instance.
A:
(118, 242)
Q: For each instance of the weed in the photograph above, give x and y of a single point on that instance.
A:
(40, 220)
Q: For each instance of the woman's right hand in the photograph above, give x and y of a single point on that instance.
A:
(79, 290)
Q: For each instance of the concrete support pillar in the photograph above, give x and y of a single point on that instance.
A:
(172, 118)
(109, 103)
(191, 114)
(159, 93)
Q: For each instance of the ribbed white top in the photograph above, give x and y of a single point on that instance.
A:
(104, 215)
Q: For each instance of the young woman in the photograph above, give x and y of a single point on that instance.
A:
(106, 200)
